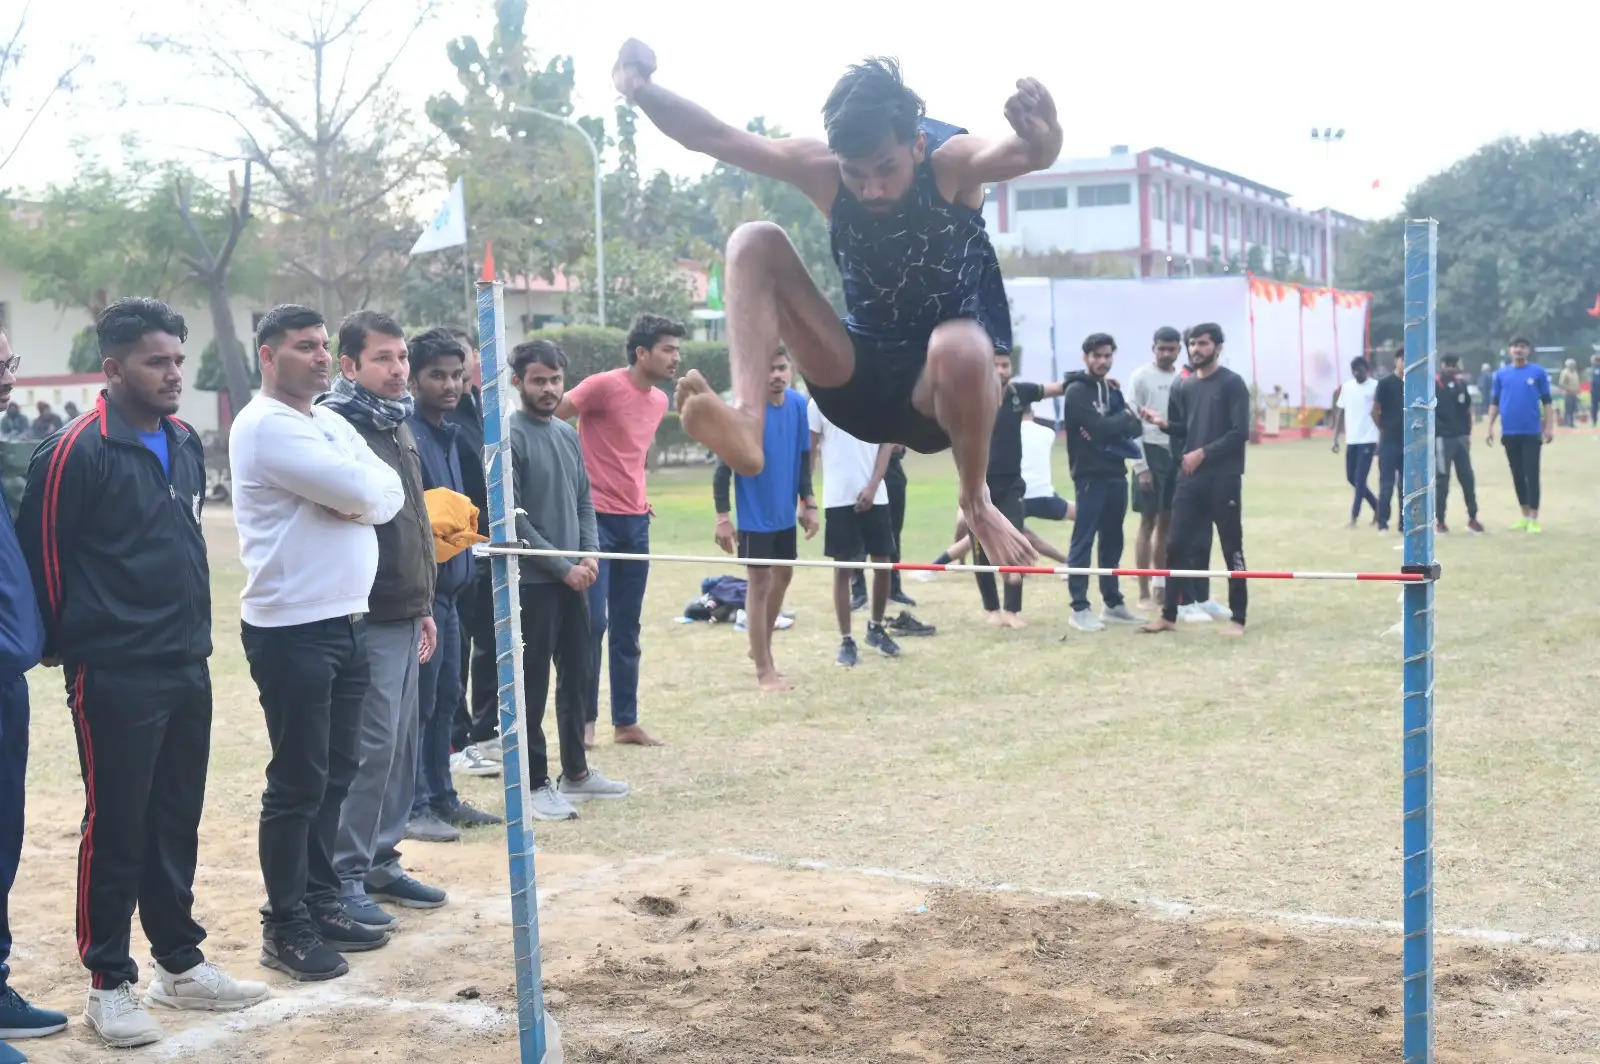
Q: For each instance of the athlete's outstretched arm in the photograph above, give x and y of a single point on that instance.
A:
(969, 162)
(802, 162)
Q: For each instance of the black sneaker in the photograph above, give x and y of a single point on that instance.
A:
(408, 893)
(905, 624)
(897, 595)
(339, 931)
(880, 640)
(466, 815)
(302, 956)
(847, 654)
(858, 602)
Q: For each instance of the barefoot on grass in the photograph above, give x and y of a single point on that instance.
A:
(1233, 629)
(1014, 620)
(995, 619)
(773, 681)
(734, 436)
(634, 735)
(1160, 624)
(588, 737)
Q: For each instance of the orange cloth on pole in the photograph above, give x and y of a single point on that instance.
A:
(454, 520)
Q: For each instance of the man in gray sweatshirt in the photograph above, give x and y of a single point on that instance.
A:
(555, 512)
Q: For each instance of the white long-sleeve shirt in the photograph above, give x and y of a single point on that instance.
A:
(302, 562)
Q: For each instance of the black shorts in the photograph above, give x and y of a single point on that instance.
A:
(1158, 500)
(1046, 507)
(850, 536)
(874, 405)
(779, 546)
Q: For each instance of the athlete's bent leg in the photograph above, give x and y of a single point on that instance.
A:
(959, 389)
(769, 296)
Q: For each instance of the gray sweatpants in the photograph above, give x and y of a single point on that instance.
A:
(372, 820)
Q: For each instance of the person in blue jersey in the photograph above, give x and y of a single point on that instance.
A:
(1520, 399)
(911, 363)
(771, 503)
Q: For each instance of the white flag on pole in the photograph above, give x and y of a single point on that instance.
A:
(449, 227)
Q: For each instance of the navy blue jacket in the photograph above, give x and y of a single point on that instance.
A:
(440, 452)
(21, 631)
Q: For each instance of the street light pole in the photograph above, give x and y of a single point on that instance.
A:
(1329, 137)
(599, 235)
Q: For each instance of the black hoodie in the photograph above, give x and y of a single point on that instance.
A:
(1100, 428)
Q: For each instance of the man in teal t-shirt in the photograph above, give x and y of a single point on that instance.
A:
(770, 503)
(1520, 400)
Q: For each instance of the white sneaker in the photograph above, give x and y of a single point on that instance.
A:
(118, 1017)
(1193, 612)
(471, 761)
(924, 576)
(546, 803)
(1085, 621)
(204, 988)
(491, 750)
(1121, 615)
(1215, 610)
(593, 785)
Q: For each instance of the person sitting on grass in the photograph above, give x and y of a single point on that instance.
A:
(770, 504)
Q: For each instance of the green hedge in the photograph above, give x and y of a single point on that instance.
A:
(591, 349)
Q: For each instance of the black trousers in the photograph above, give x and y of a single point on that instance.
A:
(1204, 500)
(478, 716)
(1391, 460)
(894, 482)
(144, 741)
(1102, 506)
(1522, 453)
(312, 679)
(1454, 451)
(555, 627)
(1007, 496)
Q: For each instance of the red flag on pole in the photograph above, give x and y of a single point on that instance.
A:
(488, 261)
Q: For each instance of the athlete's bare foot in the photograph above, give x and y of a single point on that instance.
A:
(1233, 629)
(1001, 541)
(1014, 620)
(997, 619)
(1160, 624)
(772, 681)
(734, 436)
(635, 735)
(588, 737)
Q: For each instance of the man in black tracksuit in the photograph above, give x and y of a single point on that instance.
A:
(1208, 420)
(1101, 433)
(110, 526)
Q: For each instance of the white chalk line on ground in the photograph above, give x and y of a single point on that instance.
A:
(1564, 943)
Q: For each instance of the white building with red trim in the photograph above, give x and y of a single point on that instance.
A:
(1161, 212)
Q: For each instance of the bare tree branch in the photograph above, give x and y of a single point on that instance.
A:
(61, 83)
(239, 217)
(185, 211)
(383, 74)
(8, 56)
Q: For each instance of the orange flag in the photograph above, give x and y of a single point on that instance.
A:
(488, 261)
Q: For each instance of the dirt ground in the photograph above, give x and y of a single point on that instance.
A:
(682, 960)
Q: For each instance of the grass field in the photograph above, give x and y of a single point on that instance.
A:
(1246, 778)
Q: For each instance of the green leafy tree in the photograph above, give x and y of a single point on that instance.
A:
(210, 377)
(1517, 248)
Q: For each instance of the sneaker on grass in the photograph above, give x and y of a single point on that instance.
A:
(204, 988)
(464, 814)
(1215, 610)
(339, 932)
(1085, 621)
(302, 956)
(119, 1018)
(847, 655)
(429, 828)
(19, 1019)
(363, 910)
(1194, 613)
(490, 749)
(594, 785)
(1121, 614)
(408, 893)
(547, 803)
(880, 640)
(906, 624)
(470, 760)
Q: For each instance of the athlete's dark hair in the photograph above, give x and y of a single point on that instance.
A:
(1098, 340)
(1166, 335)
(430, 345)
(464, 334)
(1207, 328)
(542, 352)
(355, 329)
(869, 104)
(1450, 360)
(278, 321)
(647, 331)
(127, 321)
(1523, 340)
(1359, 362)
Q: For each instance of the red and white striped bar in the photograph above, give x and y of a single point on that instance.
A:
(909, 567)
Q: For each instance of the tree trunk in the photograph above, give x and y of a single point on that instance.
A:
(230, 352)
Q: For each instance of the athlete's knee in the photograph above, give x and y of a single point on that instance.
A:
(961, 355)
(757, 241)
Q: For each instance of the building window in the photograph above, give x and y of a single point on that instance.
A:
(1042, 199)
(1233, 221)
(1197, 212)
(1158, 199)
(1104, 195)
(1177, 206)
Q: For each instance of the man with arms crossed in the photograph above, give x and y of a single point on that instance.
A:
(770, 504)
(307, 491)
(903, 195)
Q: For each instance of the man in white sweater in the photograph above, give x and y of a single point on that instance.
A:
(306, 492)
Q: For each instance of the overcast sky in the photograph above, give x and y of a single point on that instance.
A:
(1238, 85)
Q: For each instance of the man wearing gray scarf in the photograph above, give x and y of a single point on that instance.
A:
(370, 393)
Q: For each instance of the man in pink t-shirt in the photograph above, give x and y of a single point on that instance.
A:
(618, 412)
